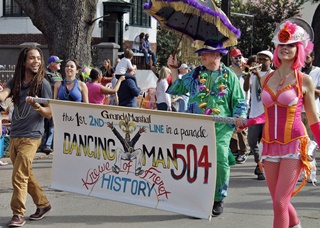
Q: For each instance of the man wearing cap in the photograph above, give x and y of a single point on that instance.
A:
(237, 61)
(224, 97)
(252, 82)
(239, 142)
(54, 64)
(53, 76)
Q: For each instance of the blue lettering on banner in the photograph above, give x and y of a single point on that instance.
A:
(135, 187)
(156, 128)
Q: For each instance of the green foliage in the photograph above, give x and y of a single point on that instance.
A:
(166, 44)
(259, 29)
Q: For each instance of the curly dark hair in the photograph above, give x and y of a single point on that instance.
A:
(19, 75)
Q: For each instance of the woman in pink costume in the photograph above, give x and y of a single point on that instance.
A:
(285, 141)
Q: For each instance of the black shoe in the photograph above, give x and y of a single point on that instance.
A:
(47, 150)
(257, 170)
(217, 208)
(40, 213)
(261, 176)
(16, 221)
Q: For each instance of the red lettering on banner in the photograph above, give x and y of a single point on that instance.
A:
(152, 173)
(93, 175)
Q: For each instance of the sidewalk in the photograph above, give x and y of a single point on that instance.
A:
(248, 204)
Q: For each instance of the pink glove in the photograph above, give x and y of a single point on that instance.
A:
(315, 128)
(253, 121)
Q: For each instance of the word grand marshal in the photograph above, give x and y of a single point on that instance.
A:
(131, 117)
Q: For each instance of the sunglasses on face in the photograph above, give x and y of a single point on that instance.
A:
(288, 45)
(263, 59)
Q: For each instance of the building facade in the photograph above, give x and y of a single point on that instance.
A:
(119, 21)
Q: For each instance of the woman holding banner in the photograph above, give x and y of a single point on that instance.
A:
(285, 141)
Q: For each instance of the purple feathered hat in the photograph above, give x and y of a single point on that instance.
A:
(213, 46)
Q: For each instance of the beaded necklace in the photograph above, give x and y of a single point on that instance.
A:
(26, 108)
(66, 92)
(68, 82)
(212, 89)
(25, 111)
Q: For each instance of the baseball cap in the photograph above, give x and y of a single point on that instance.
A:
(267, 53)
(184, 66)
(54, 59)
(235, 52)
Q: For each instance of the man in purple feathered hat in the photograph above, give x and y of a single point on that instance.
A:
(223, 96)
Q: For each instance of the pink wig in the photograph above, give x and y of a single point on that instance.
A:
(300, 55)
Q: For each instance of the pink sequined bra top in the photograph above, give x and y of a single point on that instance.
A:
(283, 112)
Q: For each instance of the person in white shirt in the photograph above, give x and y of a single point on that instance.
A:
(183, 69)
(137, 43)
(252, 82)
(314, 73)
(163, 98)
(125, 64)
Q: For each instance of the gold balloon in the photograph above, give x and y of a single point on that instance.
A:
(202, 105)
(215, 111)
(203, 81)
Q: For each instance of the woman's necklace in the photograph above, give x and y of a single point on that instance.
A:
(68, 82)
(282, 80)
(67, 91)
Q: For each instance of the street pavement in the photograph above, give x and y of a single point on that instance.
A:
(248, 204)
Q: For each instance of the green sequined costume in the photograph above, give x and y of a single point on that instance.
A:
(214, 93)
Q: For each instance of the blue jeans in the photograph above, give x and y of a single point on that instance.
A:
(183, 103)
(153, 56)
(47, 138)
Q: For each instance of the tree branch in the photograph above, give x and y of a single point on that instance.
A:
(91, 22)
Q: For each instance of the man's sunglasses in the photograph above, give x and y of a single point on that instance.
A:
(237, 57)
(263, 59)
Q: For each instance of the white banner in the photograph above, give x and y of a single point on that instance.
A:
(157, 159)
